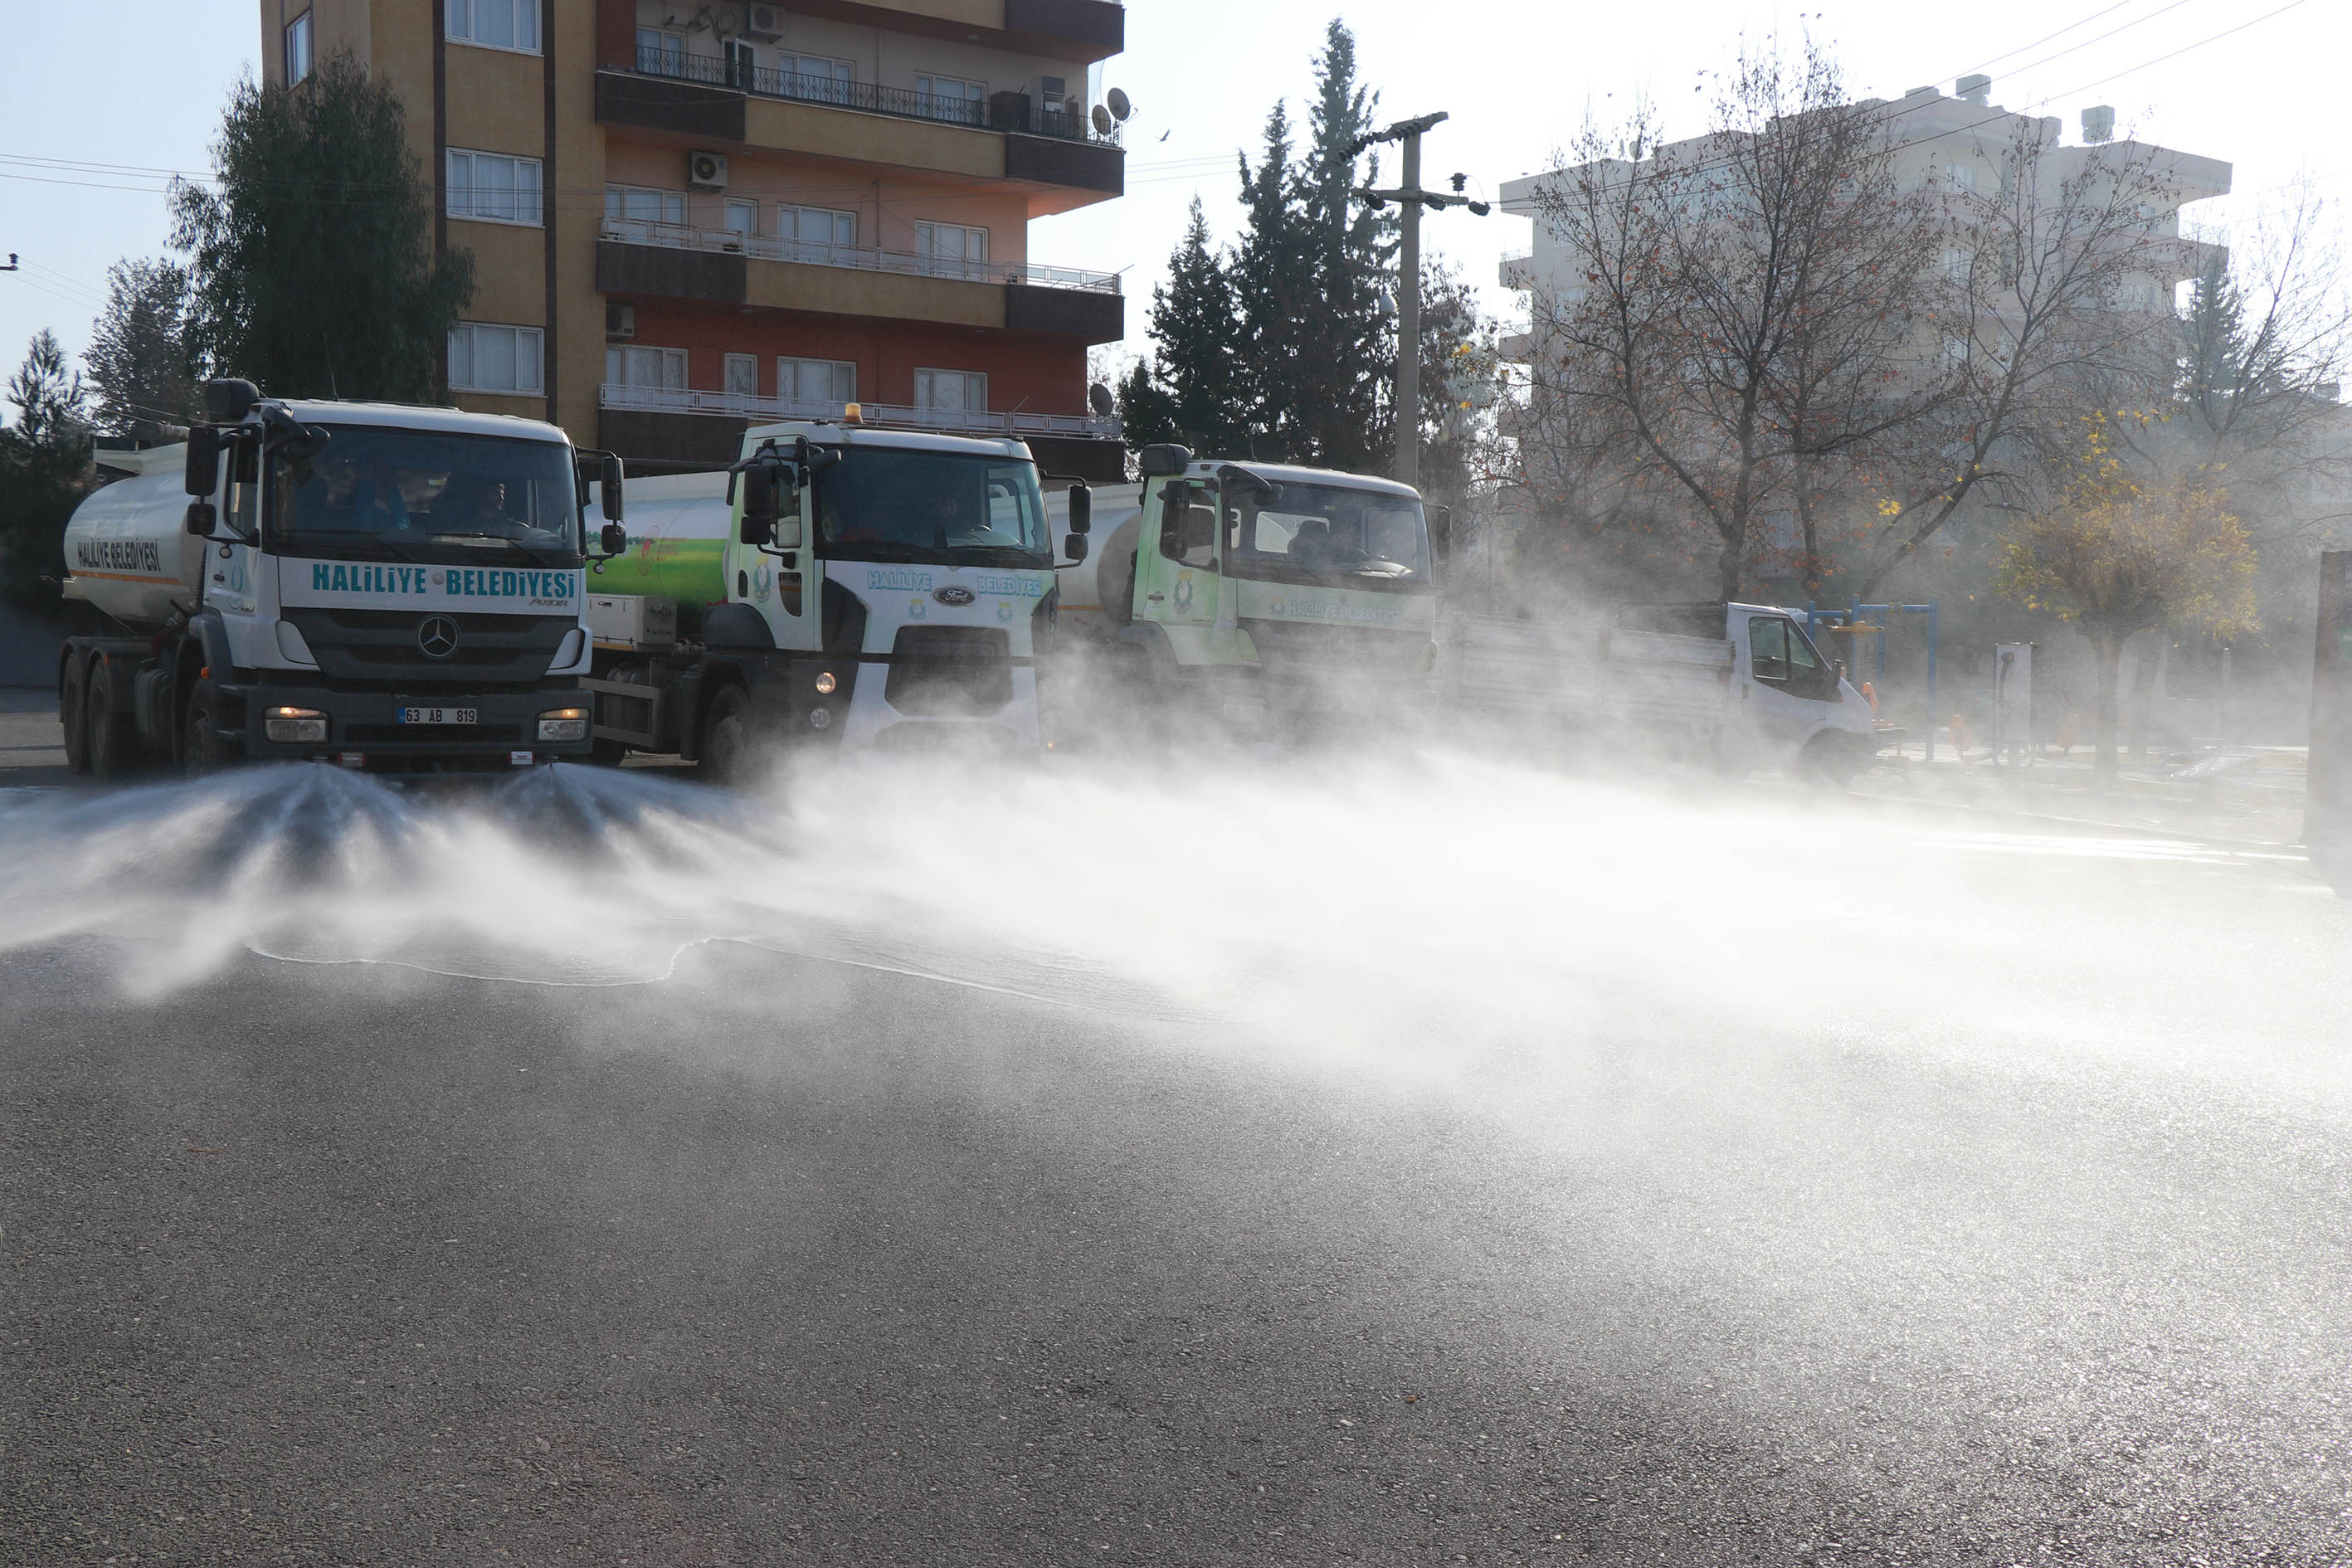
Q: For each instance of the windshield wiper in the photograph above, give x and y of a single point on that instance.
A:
(359, 540)
(879, 550)
(994, 555)
(541, 556)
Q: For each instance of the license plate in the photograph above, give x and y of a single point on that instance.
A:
(440, 715)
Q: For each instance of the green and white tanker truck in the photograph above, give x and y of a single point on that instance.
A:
(839, 586)
(1262, 590)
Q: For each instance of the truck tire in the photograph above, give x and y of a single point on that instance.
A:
(201, 752)
(113, 743)
(73, 715)
(1831, 760)
(727, 737)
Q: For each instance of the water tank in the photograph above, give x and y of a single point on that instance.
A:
(677, 527)
(128, 550)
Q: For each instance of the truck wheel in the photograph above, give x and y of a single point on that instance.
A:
(1830, 761)
(727, 737)
(200, 743)
(113, 744)
(74, 716)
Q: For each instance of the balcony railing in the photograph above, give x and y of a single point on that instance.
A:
(1001, 112)
(687, 236)
(949, 421)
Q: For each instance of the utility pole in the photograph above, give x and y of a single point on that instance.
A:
(1410, 198)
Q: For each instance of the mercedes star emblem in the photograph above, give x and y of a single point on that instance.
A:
(437, 637)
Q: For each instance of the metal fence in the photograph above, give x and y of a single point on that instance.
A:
(951, 421)
(689, 237)
(1001, 112)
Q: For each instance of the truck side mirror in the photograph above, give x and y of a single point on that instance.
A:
(1165, 458)
(200, 518)
(204, 460)
(1074, 547)
(608, 488)
(1440, 533)
(760, 507)
(1082, 510)
(613, 540)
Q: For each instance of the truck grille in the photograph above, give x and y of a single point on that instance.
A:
(376, 644)
(949, 671)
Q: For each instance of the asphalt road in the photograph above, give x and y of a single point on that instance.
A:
(783, 1259)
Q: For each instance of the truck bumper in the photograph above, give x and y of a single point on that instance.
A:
(366, 725)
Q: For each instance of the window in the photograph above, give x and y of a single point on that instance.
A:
(493, 187)
(493, 24)
(1958, 266)
(1366, 538)
(816, 381)
(298, 48)
(636, 203)
(742, 217)
(742, 375)
(816, 225)
(664, 54)
(741, 62)
(953, 245)
(813, 76)
(484, 358)
(949, 98)
(1188, 521)
(1960, 177)
(663, 368)
(1955, 352)
(951, 391)
(1779, 653)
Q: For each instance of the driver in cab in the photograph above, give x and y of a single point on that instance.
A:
(345, 496)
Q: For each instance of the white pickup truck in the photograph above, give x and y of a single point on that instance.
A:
(1728, 686)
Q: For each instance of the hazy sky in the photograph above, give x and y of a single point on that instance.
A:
(1518, 76)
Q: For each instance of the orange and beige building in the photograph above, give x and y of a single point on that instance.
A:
(686, 218)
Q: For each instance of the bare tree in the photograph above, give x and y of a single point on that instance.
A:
(1744, 299)
(2036, 317)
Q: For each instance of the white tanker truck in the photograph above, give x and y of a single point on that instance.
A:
(388, 587)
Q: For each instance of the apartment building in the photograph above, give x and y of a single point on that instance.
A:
(687, 217)
(1954, 144)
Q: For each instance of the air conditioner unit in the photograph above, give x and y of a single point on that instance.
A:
(707, 171)
(764, 22)
(620, 322)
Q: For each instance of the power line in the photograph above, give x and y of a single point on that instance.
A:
(2079, 22)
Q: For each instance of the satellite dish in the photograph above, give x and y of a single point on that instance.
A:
(1119, 106)
(1103, 122)
(1099, 399)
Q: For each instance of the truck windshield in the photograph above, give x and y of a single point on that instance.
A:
(423, 495)
(1331, 534)
(881, 504)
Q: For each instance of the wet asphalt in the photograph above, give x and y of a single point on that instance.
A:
(781, 1262)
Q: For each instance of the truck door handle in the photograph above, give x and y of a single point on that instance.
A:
(1156, 598)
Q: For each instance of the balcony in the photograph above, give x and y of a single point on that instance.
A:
(730, 242)
(638, 258)
(1010, 111)
(895, 417)
(1518, 270)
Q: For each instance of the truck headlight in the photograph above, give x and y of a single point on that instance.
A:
(825, 684)
(293, 724)
(564, 724)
